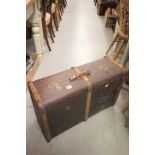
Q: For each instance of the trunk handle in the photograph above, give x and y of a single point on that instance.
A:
(74, 77)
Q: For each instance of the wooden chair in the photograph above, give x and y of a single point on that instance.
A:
(58, 10)
(52, 10)
(122, 39)
(122, 32)
(62, 4)
(46, 23)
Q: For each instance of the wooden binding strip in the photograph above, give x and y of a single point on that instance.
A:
(89, 94)
(33, 91)
(119, 65)
(39, 108)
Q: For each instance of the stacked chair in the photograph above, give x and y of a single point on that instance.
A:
(51, 11)
(122, 34)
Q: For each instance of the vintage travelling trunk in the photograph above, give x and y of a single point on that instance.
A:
(64, 99)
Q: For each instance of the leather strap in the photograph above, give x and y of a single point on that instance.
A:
(74, 77)
(89, 93)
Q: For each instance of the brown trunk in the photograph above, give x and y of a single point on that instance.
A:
(71, 96)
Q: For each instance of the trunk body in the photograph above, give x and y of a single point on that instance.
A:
(63, 102)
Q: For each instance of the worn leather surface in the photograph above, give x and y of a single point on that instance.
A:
(64, 101)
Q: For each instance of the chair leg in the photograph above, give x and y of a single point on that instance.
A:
(119, 49)
(58, 13)
(60, 16)
(45, 34)
(49, 10)
(112, 43)
(52, 27)
(55, 21)
(50, 31)
(61, 11)
(60, 6)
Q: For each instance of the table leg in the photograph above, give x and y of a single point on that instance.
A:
(37, 33)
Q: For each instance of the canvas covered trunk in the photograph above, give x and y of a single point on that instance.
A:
(65, 99)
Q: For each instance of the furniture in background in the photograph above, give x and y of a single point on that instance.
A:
(32, 16)
(122, 30)
(122, 39)
(47, 23)
(62, 4)
(111, 17)
(40, 15)
(58, 10)
(123, 12)
(51, 10)
(35, 24)
(103, 5)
